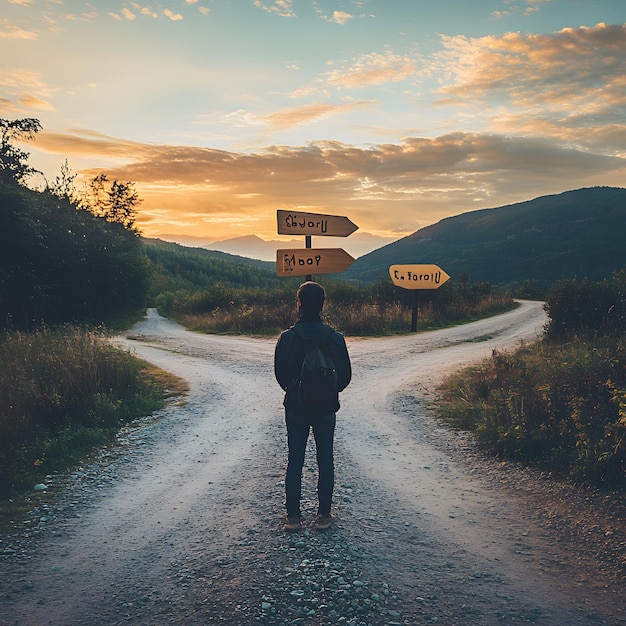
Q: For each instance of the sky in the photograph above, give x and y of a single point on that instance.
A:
(394, 113)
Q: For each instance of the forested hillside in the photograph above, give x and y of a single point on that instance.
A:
(179, 267)
(68, 263)
(576, 234)
(65, 258)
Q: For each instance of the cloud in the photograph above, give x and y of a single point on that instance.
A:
(23, 3)
(20, 81)
(535, 5)
(283, 8)
(373, 69)
(289, 117)
(89, 144)
(408, 184)
(175, 17)
(11, 31)
(573, 69)
(147, 11)
(340, 17)
(6, 105)
(128, 14)
(30, 102)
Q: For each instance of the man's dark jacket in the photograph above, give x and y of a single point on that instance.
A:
(289, 354)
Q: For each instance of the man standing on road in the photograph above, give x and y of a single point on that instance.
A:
(300, 415)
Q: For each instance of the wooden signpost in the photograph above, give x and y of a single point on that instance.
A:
(308, 261)
(417, 277)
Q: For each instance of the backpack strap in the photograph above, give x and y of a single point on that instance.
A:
(325, 337)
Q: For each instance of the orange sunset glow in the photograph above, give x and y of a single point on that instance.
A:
(390, 113)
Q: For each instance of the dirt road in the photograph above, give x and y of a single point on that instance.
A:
(181, 523)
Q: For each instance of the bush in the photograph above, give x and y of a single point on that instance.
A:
(580, 306)
(561, 403)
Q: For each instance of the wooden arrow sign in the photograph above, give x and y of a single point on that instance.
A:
(306, 261)
(418, 276)
(299, 223)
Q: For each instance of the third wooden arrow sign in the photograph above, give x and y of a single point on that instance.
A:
(418, 276)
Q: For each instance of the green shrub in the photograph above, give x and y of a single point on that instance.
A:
(561, 406)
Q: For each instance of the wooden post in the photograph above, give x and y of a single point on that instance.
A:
(307, 244)
(414, 312)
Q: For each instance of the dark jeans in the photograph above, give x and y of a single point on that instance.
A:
(298, 428)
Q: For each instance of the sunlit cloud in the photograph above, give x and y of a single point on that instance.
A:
(87, 143)
(73, 17)
(430, 125)
(19, 81)
(146, 11)
(340, 17)
(402, 183)
(535, 5)
(30, 102)
(6, 106)
(373, 69)
(567, 70)
(283, 8)
(175, 17)
(11, 31)
(289, 117)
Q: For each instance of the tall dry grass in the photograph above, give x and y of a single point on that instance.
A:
(559, 405)
(53, 382)
(350, 315)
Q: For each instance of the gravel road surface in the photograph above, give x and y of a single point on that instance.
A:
(180, 522)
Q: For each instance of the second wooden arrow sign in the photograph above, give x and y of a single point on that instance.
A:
(307, 261)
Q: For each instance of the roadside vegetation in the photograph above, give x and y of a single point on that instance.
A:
(559, 404)
(260, 303)
(70, 263)
(62, 393)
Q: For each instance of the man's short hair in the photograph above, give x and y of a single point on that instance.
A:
(311, 297)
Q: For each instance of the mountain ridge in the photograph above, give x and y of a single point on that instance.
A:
(255, 247)
(575, 234)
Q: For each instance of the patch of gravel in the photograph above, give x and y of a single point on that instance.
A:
(250, 571)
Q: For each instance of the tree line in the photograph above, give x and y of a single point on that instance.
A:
(65, 255)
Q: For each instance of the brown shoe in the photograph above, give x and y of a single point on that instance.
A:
(293, 523)
(324, 522)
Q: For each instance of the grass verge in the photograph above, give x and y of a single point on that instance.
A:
(64, 392)
(560, 406)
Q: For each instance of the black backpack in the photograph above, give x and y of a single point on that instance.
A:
(317, 383)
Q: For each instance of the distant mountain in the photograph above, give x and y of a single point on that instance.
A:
(176, 250)
(253, 247)
(579, 233)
